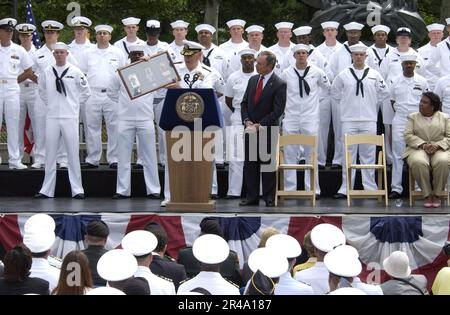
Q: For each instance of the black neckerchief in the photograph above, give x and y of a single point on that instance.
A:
(378, 57)
(349, 51)
(206, 60)
(59, 82)
(126, 48)
(448, 46)
(310, 52)
(302, 81)
(359, 83)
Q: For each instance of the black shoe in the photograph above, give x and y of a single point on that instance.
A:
(88, 166)
(138, 167)
(214, 197)
(113, 165)
(339, 196)
(321, 167)
(302, 162)
(317, 197)
(246, 202)
(230, 197)
(336, 167)
(119, 196)
(153, 196)
(270, 204)
(78, 196)
(220, 166)
(41, 196)
(394, 195)
(161, 165)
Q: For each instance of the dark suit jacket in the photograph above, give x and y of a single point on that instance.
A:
(229, 269)
(270, 107)
(29, 285)
(94, 253)
(168, 269)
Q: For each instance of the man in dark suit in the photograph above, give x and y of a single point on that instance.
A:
(261, 108)
(162, 265)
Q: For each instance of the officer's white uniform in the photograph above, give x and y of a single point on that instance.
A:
(158, 285)
(135, 120)
(369, 289)
(442, 89)
(406, 93)
(78, 49)
(302, 115)
(62, 123)
(213, 282)
(289, 286)
(359, 115)
(316, 277)
(40, 268)
(100, 67)
(235, 89)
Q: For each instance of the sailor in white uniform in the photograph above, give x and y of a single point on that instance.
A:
(81, 42)
(378, 51)
(282, 49)
(179, 32)
(435, 34)
(131, 28)
(439, 62)
(236, 42)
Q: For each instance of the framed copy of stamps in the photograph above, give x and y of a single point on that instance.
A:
(143, 77)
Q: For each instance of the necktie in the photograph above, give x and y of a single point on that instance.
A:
(302, 82)
(259, 90)
(359, 83)
(59, 82)
(206, 60)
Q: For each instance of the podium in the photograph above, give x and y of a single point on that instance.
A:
(189, 117)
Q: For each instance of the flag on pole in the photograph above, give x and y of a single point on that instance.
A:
(30, 20)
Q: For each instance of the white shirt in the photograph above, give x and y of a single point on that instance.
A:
(40, 268)
(232, 49)
(77, 49)
(14, 59)
(289, 286)
(406, 93)
(213, 282)
(120, 44)
(235, 60)
(315, 58)
(439, 62)
(316, 277)
(376, 55)
(158, 285)
(391, 66)
(327, 51)
(208, 78)
(76, 86)
(282, 53)
(369, 289)
(177, 50)
(442, 89)
(340, 60)
(218, 59)
(425, 52)
(354, 107)
(43, 57)
(236, 86)
(31, 85)
(304, 108)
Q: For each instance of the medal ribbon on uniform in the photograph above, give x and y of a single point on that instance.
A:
(302, 82)
(59, 82)
(359, 83)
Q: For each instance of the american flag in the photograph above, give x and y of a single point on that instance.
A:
(30, 19)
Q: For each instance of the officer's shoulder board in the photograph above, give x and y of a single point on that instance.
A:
(167, 257)
(54, 261)
(183, 281)
(206, 68)
(231, 282)
(303, 282)
(164, 278)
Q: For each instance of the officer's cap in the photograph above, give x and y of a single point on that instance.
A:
(358, 48)
(81, 21)
(103, 27)
(8, 24)
(380, 28)
(117, 265)
(326, 236)
(435, 27)
(40, 221)
(403, 31)
(302, 30)
(51, 25)
(39, 241)
(179, 24)
(131, 21)
(281, 25)
(236, 22)
(254, 28)
(210, 249)
(139, 243)
(330, 24)
(205, 27)
(285, 245)
(105, 291)
(270, 262)
(190, 48)
(353, 26)
(25, 28)
(343, 261)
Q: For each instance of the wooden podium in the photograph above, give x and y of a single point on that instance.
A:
(189, 155)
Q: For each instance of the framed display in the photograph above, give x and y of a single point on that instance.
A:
(144, 77)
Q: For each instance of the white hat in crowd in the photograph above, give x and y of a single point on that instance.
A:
(281, 25)
(8, 23)
(25, 28)
(435, 27)
(380, 28)
(39, 221)
(190, 48)
(285, 244)
(39, 241)
(50, 25)
(236, 22)
(358, 48)
(205, 27)
(408, 57)
(117, 265)
(270, 262)
(136, 47)
(300, 47)
(60, 46)
(80, 21)
(330, 24)
(139, 243)
(302, 30)
(343, 261)
(103, 27)
(447, 20)
(353, 26)
(397, 265)
(105, 291)
(247, 51)
(347, 291)
(131, 21)
(403, 31)
(254, 28)
(325, 237)
(179, 24)
(153, 24)
(210, 249)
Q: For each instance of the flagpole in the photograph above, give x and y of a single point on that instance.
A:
(15, 9)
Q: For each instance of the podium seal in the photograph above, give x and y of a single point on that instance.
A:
(190, 106)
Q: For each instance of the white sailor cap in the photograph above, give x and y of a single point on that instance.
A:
(397, 265)
(330, 24)
(81, 21)
(301, 47)
(39, 241)
(358, 48)
(236, 22)
(205, 27)
(39, 221)
(325, 237)
(131, 21)
(353, 26)
(117, 265)
(302, 30)
(408, 57)
(286, 245)
(179, 24)
(136, 47)
(343, 261)
(139, 243)
(153, 24)
(60, 46)
(270, 262)
(380, 28)
(347, 291)
(435, 27)
(447, 20)
(247, 51)
(103, 27)
(105, 291)
(210, 249)
(280, 25)
(254, 28)
(51, 25)
(191, 48)
(25, 28)
(403, 31)
(8, 23)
